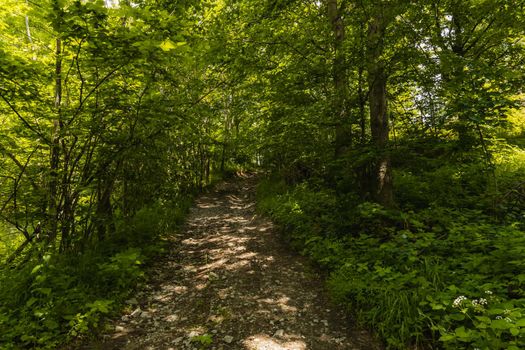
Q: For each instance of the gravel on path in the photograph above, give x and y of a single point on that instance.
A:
(229, 282)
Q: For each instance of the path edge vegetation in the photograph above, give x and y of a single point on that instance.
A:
(66, 298)
(392, 277)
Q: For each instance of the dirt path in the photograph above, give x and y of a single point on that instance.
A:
(230, 281)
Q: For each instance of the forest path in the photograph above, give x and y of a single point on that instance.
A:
(230, 279)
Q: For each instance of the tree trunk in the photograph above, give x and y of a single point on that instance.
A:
(377, 82)
(104, 211)
(223, 157)
(227, 130)
(362, 104)
(452, 70)
(55, 148)
(208, 170)
(342, 132)
(29, 36)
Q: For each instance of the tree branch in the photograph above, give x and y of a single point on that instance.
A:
(26, 123)
(97, 85)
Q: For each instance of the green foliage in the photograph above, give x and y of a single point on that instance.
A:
(403, 272)
(485, 323)
(113, 116)
(121, 268)
(60, 302)
(63, 297)
(204, 341)
(81, 324)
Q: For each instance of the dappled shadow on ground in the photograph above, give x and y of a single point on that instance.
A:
(230, 279)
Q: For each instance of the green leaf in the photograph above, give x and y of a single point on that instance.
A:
(520, 322)
(100, 305)
(437, 306)
(51, 324)
(31, 302)
(168, 45)
(36, 269)
(501, 324)
(45, 291)
(515, 314)
(461, 332)
(457, 317)
(495, 311)
(483, 319)
(447, 337)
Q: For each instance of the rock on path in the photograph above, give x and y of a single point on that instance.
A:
(230, 283)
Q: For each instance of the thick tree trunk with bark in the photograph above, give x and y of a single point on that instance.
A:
(377, 82)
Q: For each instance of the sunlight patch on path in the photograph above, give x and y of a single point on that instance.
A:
(265, 342)
(229, 278)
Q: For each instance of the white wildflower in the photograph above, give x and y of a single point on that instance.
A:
(488, 292)
(498, 317)
(458, 301)
(483, 301)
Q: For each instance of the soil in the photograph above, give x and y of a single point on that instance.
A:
(230, 282)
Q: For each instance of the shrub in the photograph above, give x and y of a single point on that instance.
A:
(57, 298)
(401, 272)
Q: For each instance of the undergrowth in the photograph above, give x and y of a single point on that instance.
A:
(53, 299)
(445, 270)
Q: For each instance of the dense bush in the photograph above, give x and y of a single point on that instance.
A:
(68, 296)
(424, 274)
(63, 297)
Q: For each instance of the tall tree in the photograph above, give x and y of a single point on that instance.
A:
(382, 189)
(343, 135)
